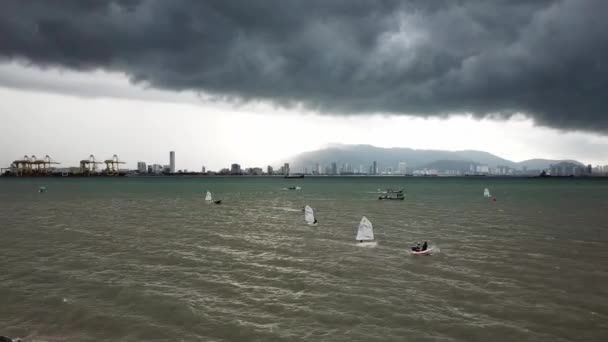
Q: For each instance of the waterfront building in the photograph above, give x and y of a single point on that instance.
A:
(255, 171)
(172, 161)
(141, 167)
(157, 169)
(483, 169)
(402, 168)
(286, 169)
(235, 169)
(269, 170)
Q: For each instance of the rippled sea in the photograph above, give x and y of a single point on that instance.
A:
(146, 259)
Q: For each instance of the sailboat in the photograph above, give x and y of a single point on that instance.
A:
(209, 198)
(425, 249)
(309, 216)
(365, 233)
(486, 192)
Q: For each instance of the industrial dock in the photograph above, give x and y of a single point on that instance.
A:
(31, 166)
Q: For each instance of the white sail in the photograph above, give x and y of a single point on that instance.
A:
(366, 230)
(208, 197)
(486, 192)
(309, 215)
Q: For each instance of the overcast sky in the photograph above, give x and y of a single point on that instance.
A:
(256, 82)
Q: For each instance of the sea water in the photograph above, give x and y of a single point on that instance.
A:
(147, 259)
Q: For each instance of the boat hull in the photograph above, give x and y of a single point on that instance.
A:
(366, 244)
(428, 251)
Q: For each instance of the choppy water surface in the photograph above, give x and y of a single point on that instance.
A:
(137, 259)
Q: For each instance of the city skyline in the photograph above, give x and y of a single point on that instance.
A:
(471, 167)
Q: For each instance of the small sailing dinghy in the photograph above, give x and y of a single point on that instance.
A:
(486, 192)
(208, 197)
(365, 233)
(427, 251)
(309, 216)
(424, 250)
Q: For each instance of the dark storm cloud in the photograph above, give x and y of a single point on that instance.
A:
(548, 59)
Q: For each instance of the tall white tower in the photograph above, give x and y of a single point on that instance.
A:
(172, 161)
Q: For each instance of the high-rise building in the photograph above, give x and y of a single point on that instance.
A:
(402, 168)
(347, 168)
(483, 169)
(334, 168)
(141, 167)
(235, 169)
(269, 170)
(172, 161)
(318, 169)
(254, 171)
(286, 169)
(375, 168)
(157, 168)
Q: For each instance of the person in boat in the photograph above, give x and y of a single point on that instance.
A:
(417, 247)
(315, 222)
(424, 246)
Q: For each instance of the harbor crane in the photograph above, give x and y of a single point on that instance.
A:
(89, 166)
(112, 166)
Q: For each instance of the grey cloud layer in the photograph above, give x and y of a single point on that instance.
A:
(548, 59)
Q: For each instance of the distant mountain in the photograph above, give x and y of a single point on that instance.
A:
(357, 155)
